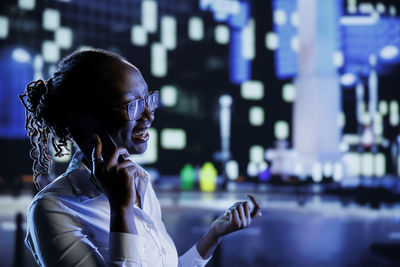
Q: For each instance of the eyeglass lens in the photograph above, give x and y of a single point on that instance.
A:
(136, 108)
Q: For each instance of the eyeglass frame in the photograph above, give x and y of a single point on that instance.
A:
(125, 106)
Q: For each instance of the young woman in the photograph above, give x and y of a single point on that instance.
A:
(103, 212)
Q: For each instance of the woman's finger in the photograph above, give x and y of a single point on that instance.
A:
(247, 212)
(242, 216)
(235, 218)
(256, 210)
(119, 151)
(96, 153)
(126, 163)
(129, 168)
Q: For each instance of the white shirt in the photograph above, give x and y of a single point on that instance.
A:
(68, 224)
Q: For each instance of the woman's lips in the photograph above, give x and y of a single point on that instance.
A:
(141, 135)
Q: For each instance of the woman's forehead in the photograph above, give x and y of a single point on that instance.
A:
(128, 83)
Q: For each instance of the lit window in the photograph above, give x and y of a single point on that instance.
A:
(64, 37)
(221, 34)
(351, 161)
(328, 169)
(366, 8)
(394, 113)
(256, 116)
(288, 92)
(383, 107)
(272, 41)
(295, 43)
(352, 6)
(248, 41)
(378, 125)
(256, 154)
(348, 79)
(149, 15)
(341, 119)
(158, 60)
(168, 32)
(337, 172)
(138, 35)
(281, 130)
(173, 138)
(150, 156)
(252, 90)
(367, 163)
(232, 169)
(26, 4)
(317, 172)
(294, 19)
(51, 19)
(3, 27)
(392, 11)
(280, 17)
(262, 166)
(252, 169)
(85, 47)
(380, 164)
(196, 28)
(389, 52)
(169, 95)
(21, 55)
(52, 69)
(38, 62)
(380, 7)
(338, 59)
(50, 51)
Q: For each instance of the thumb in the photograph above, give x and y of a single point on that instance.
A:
(97, 158)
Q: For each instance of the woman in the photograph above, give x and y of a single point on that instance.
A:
(103, 212)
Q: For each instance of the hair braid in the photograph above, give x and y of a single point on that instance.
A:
(51, 105)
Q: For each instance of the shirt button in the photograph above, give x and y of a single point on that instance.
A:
(163, 251)
(148, 226)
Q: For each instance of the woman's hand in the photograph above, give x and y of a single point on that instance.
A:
(117, 180)
(235, 218)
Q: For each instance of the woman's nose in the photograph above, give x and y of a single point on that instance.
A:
(147, 114)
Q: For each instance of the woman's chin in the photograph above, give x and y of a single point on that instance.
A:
(137, 148)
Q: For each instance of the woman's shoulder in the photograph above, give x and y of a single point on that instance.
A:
(53, 193)
(58, 186)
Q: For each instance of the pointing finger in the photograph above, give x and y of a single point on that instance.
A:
(256, 211)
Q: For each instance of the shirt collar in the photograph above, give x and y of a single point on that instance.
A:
(78, 176)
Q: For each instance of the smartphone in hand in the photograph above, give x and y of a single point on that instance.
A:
(83, 129)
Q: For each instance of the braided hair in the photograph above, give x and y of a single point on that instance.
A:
(53, 104)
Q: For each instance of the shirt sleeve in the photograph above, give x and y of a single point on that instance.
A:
(192, 258)
(56, 237)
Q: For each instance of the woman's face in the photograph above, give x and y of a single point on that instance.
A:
(127, 85)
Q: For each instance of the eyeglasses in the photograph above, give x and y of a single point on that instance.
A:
(136, 108)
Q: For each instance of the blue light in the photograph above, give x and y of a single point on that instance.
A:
(285, 57)
(14, 77)
(236, 14)
(240, 70)
(361, 41)
(240, 19)
(21, 55)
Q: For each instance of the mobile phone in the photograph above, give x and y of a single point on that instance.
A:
(82, 131)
